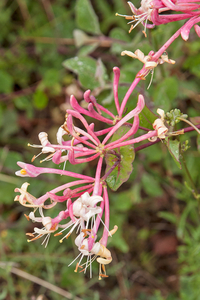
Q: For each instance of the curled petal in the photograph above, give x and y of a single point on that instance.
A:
(161, 113)
(91, 201)
(87, 96)
(60, 134)
(129, 53)
(187, 27)
(25, 196)
(160, 127)
(57, 198)
(105, 256)
(150, 65)
(132, 7)
(43, 137)
(197, 29)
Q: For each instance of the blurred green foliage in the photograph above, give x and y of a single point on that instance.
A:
(50, 49)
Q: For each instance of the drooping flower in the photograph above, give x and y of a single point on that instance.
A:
(141, 15)
(159, 12)
(159, 125)
(149, 62)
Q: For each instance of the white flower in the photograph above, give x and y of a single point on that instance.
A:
(84, 208)
(46, 230)
(98, 252)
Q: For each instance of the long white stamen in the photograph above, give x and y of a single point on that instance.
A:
(71, 230)
(90, 268)
(87, 263)
(105, 226)
(152, 72)
(74, 259)
(46, 240)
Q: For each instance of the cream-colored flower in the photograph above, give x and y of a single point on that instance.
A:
(159, 124)
(25, 197)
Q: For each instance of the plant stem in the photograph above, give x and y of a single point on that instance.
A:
(195, 192)
(112, 168)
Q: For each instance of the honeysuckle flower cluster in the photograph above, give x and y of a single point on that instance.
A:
(85, 213)
(86, 198)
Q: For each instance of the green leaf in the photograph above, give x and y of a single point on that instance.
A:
(80, 37)
(6, 82)
(123, 170)
(86, 50)
(147, 117)
(86, 68)
(51, 77)
(174, 149)
(168, 216)
(9, 127)
(40, 99)
(3, 294)
(86, 18)
(151, 186)
(7, 193)
(23, 103)
(9, 159)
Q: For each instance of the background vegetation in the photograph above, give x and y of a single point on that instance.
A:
(49, 50)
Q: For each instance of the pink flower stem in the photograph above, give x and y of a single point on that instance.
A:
(187, 129)
(89, 190)
(106, 111)
(91, 112)
(43, 198)
(174, 7)
(112, 168)
(130, 115)
(77, 190)
(156, 56)
(132, 131)
(89, 152)
(177, 17)
(97, 177)
(146, 145)
(144, 128)
(133, 141)
(149, 144)
(115, 87)
(83, 160)
(64, 147)
(98, 116)
(104, 238)
(71, 193)
(84, 122)
(186, 1)
(85, 134)
(104, 131)
(64, 214)
(128, 94)
(98, 218)
(63, 172)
